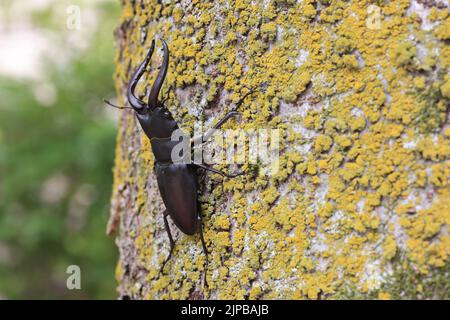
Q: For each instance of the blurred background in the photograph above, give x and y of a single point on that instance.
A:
(57, 144)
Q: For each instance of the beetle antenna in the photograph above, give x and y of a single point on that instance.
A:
(114, 106)
(164, 101)
(167, 97)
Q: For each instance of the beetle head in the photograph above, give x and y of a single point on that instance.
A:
(158, 123)
(154, 117)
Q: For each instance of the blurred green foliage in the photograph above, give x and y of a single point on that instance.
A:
(56, 174)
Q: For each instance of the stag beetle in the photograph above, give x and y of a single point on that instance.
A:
(177, 182)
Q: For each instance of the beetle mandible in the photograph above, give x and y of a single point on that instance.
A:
(177, 182)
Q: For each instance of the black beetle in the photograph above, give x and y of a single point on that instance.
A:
(177, 182)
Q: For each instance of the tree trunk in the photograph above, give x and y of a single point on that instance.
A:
(360, 205)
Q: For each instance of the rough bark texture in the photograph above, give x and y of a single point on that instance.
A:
(361, 204)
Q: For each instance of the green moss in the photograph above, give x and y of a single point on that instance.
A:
(407, 282)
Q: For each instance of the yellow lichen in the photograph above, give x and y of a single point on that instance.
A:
(443, 31)
(354, 169)
(445, 87)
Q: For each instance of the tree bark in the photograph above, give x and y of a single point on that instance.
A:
(361, 203)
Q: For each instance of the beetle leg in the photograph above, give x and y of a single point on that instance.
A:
(137, 104)
(219, 124)
(238, 104)
(172, 243)
(205, 250)
(166, 223)
(224, 174)
(210, 132)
